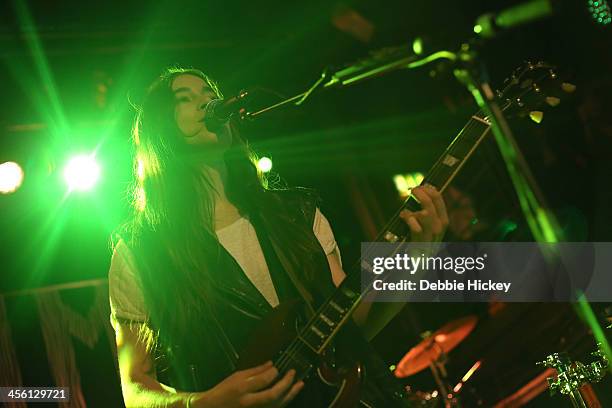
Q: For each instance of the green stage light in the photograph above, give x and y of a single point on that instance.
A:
(81, 173)
(11, 177)
(417, 46)
(264, 164)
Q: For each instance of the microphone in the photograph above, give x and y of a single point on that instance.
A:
(488, 25)
(219, 111)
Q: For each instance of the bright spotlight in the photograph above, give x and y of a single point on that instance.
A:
(264, 164)
(11, 177)
(81, 173)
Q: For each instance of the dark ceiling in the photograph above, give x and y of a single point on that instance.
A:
(276, 46)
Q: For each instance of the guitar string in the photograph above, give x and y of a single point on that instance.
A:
(294, 347)
(439, 167)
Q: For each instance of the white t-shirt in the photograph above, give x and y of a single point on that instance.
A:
(239, 239)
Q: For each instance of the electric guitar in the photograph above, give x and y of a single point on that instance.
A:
(291, 345)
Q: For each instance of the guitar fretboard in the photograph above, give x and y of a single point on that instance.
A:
(321, 329)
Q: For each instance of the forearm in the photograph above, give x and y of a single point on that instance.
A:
(147, 392)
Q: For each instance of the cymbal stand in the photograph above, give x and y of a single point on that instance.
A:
(438, 370)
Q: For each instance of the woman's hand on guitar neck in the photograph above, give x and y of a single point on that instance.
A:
(428, 224)
(255, 387)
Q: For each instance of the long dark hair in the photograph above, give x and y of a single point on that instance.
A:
(171, 231)
(171, 227)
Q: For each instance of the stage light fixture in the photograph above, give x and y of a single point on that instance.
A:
(11, 177)
(81, 173)
(264, 164)
(417, 46)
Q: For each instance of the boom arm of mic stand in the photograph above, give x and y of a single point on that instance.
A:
(354, 73)
(297, 100)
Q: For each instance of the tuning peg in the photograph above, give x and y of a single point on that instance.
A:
(536, 116)
(567, 87)
(553, 101)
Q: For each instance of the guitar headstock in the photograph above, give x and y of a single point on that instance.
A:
(531, 87)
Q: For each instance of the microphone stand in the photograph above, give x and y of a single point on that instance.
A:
(382, 61)
(542, 222)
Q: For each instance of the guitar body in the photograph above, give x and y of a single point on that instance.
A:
(338, 386)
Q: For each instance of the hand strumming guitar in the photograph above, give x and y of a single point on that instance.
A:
(255, 387)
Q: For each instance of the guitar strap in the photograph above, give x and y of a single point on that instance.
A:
(284, 287)
(305, 276)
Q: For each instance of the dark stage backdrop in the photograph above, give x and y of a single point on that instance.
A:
(60, 336)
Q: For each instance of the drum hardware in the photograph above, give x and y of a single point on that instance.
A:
(433, 351)
(573, 375)
(422, 398)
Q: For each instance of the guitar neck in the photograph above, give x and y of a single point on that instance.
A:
(330, 317)
(458, 152)
(441, 174)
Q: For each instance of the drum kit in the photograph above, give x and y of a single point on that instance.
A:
(432, 352)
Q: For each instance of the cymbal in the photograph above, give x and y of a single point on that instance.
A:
(429, 350)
